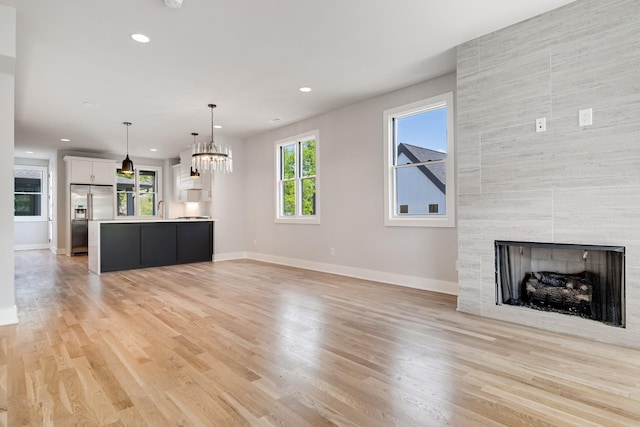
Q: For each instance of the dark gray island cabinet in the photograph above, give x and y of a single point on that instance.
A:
(124, 245)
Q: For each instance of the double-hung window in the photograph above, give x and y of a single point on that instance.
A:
(297, 179)
(137, 194)
(30, 193)
(419, 164)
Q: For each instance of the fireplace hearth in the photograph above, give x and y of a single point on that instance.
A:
(577, 280)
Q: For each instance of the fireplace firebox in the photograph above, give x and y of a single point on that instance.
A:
(579, 280)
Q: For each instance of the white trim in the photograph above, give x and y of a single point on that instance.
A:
(58, 251)
(434, 285)
(9, 315)
(390, 216)
(31, 246)
(228, 256)
(298, 218)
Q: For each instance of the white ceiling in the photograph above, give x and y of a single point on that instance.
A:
(248, 56)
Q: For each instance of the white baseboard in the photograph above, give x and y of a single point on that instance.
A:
(58, 251)
(229, 256)
(31, 247)
(441, 286)
(9, 316)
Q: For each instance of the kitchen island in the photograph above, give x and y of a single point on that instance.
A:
(128, 244)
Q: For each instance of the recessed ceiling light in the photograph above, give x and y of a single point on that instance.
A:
(29, 152)
(65, 139)
(140, 38)
(305, 89)
(153, 149)
(218, 127)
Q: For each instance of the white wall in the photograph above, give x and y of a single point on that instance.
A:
(172, 209)
(8, 311)
(31, 235)
(350, 197)
(228, 204)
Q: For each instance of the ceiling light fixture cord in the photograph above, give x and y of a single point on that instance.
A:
(194, 173)
(212, 106)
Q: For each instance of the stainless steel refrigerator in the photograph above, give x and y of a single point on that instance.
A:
(88, 202)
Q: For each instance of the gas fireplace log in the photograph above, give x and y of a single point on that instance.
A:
(561, 290)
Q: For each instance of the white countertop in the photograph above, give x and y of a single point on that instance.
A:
(143, 220)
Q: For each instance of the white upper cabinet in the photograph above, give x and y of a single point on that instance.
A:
(104, 172)
(91, 171)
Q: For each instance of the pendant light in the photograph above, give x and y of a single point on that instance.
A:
(127, 164)
(211, 157)
(194, 173)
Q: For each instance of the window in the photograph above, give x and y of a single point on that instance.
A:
(419, 170)
(137, 194)
(297, 179)
(30, 193)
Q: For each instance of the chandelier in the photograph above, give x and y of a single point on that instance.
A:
(208, 156)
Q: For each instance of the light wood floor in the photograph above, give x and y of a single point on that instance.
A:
(246, 343)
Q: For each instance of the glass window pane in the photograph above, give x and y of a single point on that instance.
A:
(308, 167)
(125, 182)
(126, 206)
(28, 185)
(309, 196)
(27, 204)
(147, 204)
(288, 153)
(421, 137)
(421, 190)
(147, 181)
(288, 198)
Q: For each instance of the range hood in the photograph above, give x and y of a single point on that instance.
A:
(191, 195)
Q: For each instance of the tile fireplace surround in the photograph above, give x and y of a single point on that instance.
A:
(570, 184)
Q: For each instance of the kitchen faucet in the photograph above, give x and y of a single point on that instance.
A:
(160, 212)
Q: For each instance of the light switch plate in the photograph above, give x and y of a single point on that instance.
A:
(585, 117)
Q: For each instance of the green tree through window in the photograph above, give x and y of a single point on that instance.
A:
(308, 180)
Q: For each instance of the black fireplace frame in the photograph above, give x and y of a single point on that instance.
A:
(499, 289)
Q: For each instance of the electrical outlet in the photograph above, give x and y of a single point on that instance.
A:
(332, 251)
(255, 243)
(541, 125)
(585, 117)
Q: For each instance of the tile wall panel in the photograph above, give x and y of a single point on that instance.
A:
(467, 56)
(606, 216)
(468, 175)
(570, 184)
(525, 88)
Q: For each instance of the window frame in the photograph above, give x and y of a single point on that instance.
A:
(44, 198)
(136, 192)
(298, 218)
(391, 218)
